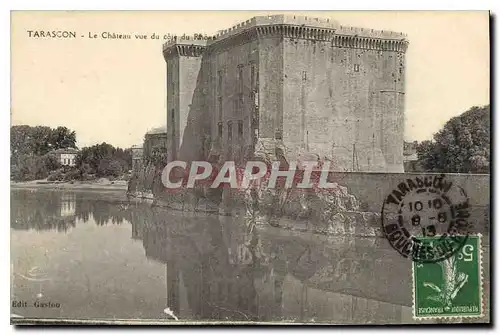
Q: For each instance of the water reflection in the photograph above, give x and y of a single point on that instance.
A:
(53, 210)
(30, 211)
(218, 268)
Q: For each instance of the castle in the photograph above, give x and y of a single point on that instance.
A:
(307, 85)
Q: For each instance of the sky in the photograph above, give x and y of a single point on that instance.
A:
(114, 90)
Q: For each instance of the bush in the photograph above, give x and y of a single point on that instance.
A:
(73, 174)
(50, 162)
(88, 176)
(15, 172)
(109, 168)
(56, 176)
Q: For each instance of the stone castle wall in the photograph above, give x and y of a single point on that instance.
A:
(316, 86)
(342, 102)
(354, 208)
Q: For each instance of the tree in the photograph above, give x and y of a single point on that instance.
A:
(19, 143)
(463, 145)
(62, 137)
(39, 140)
(109, 167)
(31, 167)
(93, 155)
(104, 160)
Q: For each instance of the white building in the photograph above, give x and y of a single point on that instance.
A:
(66, 156)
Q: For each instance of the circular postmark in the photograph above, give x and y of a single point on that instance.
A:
(426, 218)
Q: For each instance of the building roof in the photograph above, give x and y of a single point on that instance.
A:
(410, 148)
(409, 158)
(65, 151)
(158, 130)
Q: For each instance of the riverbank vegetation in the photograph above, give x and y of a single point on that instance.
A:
(33, 157)
(462, 145)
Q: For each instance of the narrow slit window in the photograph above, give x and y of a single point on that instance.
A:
(219, 82)
(240, 129)
(229, 130)
(172, 117)
(240, 78)
(240, 104)
(219, 105)
(219, 129)
(252, 77)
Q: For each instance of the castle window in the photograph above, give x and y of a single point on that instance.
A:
(304, 75)
(256, 80)
(240, 78)
(219, 82)
(252, 76)
(278, 135)
(229, 130)
(219, 106)
(219, 130)
(356, 67)
(240, 103)
(172, 116)
(240, 129)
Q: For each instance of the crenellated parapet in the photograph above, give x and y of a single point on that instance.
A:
(184, 46)
(307, 28)
(373, 33)
(296, 32)
(359, 42)
(273, 20)
(292, 27)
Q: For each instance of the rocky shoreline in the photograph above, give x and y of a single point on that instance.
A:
(336, 213)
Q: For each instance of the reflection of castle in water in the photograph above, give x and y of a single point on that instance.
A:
(202, 279)
(218, 268)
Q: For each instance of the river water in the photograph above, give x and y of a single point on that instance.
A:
(97, 255)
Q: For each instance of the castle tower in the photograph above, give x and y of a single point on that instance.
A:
(307, 85)
(183, 56)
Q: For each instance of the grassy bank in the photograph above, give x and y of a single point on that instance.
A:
(101, 184)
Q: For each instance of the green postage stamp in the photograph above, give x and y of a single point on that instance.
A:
(451, 287)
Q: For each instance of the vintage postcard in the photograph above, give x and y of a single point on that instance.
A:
(204, 167)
